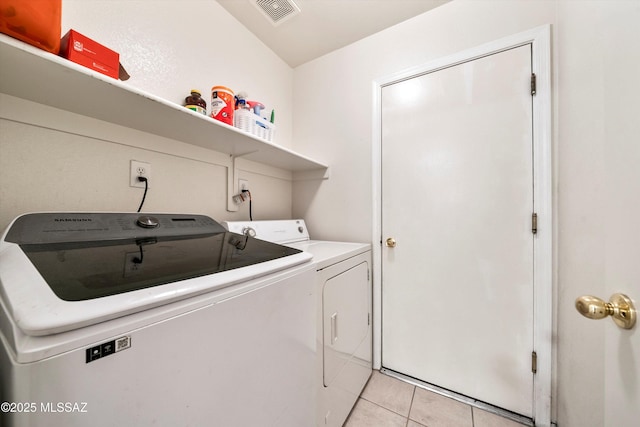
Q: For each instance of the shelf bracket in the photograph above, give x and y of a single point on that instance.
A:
(231, 185)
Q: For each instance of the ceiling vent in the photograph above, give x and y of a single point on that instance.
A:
(277, 11)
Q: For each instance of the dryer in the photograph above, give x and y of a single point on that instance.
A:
(343, 315)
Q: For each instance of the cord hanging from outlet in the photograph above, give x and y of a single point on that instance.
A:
(144, 196)
(240, 198)
(243, 197)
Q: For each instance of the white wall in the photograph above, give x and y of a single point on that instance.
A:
(169, 47)
(595, 90)
(333, 101)
(53, 160)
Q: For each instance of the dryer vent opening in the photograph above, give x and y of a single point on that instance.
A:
(277, 11)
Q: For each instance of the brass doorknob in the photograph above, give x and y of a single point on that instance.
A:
(620, 308)
(391, 242)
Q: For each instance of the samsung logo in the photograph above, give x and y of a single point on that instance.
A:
(73, 219)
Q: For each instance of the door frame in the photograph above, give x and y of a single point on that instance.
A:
(540, 40)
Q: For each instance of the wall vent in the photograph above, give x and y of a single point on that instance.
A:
(277, 11)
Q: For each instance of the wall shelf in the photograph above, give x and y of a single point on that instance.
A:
(35, 75)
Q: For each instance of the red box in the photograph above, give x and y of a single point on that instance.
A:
(91, 54)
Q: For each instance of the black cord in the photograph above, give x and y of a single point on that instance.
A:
(138, 260)
(146, 187)
(250, 207)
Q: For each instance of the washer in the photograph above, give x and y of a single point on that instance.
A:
(122, 319)
(343, 330)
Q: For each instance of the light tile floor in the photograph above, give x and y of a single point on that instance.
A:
(389, 402)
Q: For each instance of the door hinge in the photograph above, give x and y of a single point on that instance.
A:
(533, 84)
(368, 318)
(368, 275)
(534, 362)
(534, 223)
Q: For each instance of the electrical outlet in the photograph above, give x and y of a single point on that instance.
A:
(139, 169)
(132, 264)
(243, 184)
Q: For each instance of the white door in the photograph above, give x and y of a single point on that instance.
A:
(622, 211)
(622, 349)
(621, 346)
(616, 352)
(457, 198)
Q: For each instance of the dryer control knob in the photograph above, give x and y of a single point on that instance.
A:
(146, 221)
(248, 231)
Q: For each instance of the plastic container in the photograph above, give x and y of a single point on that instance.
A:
(195, 102)
(222, 104)
(35, 22)
(249, 122)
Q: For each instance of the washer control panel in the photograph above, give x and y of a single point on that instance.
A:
(277, 231)
(38, 228)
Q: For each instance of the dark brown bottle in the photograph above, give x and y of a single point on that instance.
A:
(195, 102)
